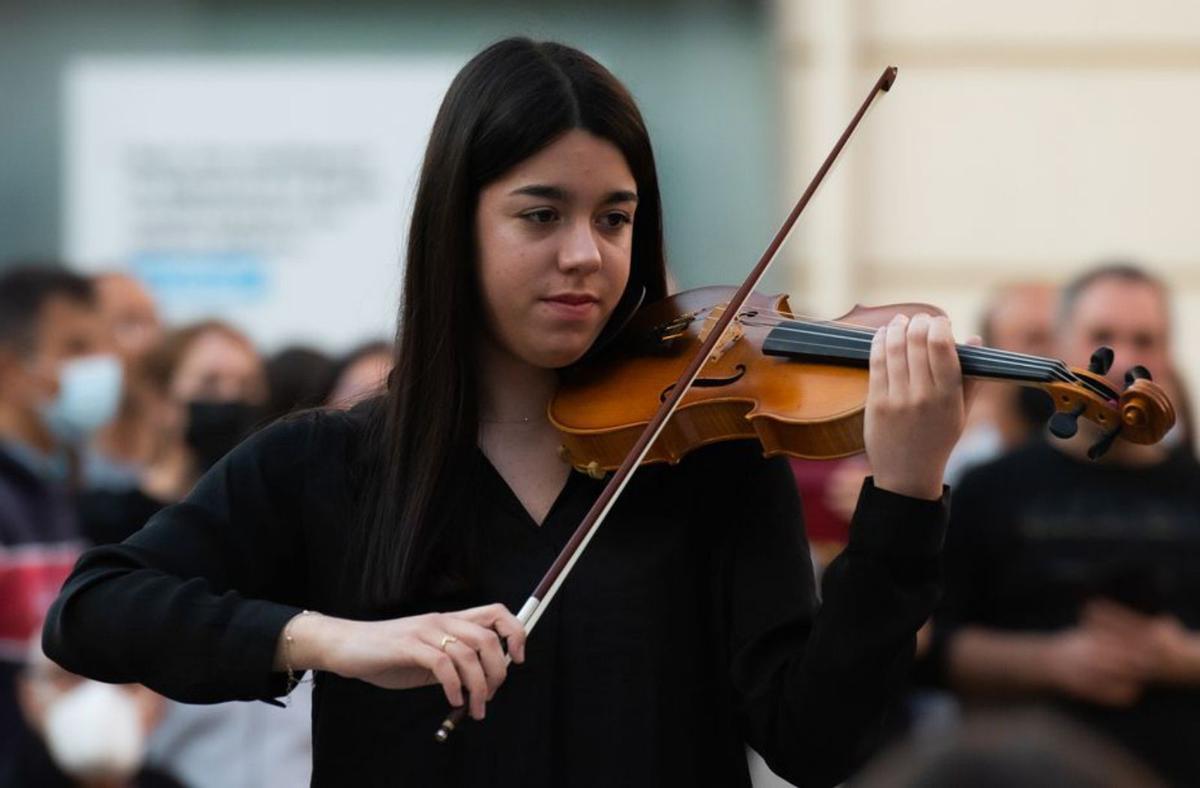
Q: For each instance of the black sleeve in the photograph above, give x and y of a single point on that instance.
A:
(814, 689)
(182, 605)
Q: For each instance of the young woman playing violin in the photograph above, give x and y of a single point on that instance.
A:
(411, 526)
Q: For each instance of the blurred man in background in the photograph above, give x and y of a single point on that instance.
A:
(123, 447)
(58, 384)
(129, 310)
(1019, 318)
(1079, 581)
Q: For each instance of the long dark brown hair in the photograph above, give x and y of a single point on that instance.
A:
(510, 101)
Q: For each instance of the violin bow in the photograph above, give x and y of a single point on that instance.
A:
(537, 603)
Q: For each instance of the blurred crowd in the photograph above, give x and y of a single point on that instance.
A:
(106, 416)
(1072, 586)
(1066, 649)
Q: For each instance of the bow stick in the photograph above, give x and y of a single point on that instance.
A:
(537, 603)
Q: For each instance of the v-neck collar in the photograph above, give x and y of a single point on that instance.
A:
(513, 501)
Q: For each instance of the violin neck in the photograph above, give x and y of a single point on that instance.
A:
(833, 343)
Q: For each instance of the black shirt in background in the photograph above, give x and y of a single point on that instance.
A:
(1036, 534)
(687, 630)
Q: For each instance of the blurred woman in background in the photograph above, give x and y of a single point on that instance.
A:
(361, 374)
(201, 390)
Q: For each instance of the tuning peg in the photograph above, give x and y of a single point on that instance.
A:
(1065, 424)
(1136, 373)
(1104, 444)
(1101, 361)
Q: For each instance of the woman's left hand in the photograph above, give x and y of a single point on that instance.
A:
(916, 404)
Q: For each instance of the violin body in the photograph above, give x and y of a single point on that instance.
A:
(792, 407)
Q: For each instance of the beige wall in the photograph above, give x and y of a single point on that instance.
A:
(1022, 139)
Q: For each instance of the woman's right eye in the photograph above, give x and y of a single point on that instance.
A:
(541, 215)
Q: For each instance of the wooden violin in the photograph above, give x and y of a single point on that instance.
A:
(797, 385)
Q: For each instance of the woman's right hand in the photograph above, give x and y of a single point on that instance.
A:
(460, 650)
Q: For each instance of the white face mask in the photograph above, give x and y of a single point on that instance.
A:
(94, 730)
(89, 391)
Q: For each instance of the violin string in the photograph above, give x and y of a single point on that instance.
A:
(1054, 368)
(866, 333)
(999, 362)
(980, 368)
(847, 330)
(964, 351)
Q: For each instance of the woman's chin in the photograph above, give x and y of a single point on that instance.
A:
(559, 356)
(559, 360)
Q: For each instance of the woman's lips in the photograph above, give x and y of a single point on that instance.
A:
(572, 306)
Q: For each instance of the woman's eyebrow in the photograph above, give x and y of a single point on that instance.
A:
(545, 192)
(560, 194)
(620, 196)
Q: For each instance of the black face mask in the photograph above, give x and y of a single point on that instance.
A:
(214, 428)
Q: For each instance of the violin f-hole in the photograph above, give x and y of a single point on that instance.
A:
(708, 383)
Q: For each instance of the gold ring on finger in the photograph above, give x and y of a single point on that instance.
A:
(447, 639)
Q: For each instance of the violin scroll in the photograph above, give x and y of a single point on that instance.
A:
(1142, 413)
(1146, 412)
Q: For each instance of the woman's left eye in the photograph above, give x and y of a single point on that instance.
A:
(540, 215)
(615, 219)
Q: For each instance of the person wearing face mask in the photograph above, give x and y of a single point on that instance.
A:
(58, 384)
(202, 389)
(211, 387)
(82, 733)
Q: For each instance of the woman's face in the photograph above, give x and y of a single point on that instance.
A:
(554, 239)
(218, 368)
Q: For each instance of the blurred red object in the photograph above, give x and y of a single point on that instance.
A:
(829, 492)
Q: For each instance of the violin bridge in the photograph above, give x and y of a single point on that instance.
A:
(732, 334)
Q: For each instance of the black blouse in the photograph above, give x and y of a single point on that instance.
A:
(687, 630)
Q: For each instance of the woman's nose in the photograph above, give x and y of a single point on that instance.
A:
(579, 252)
